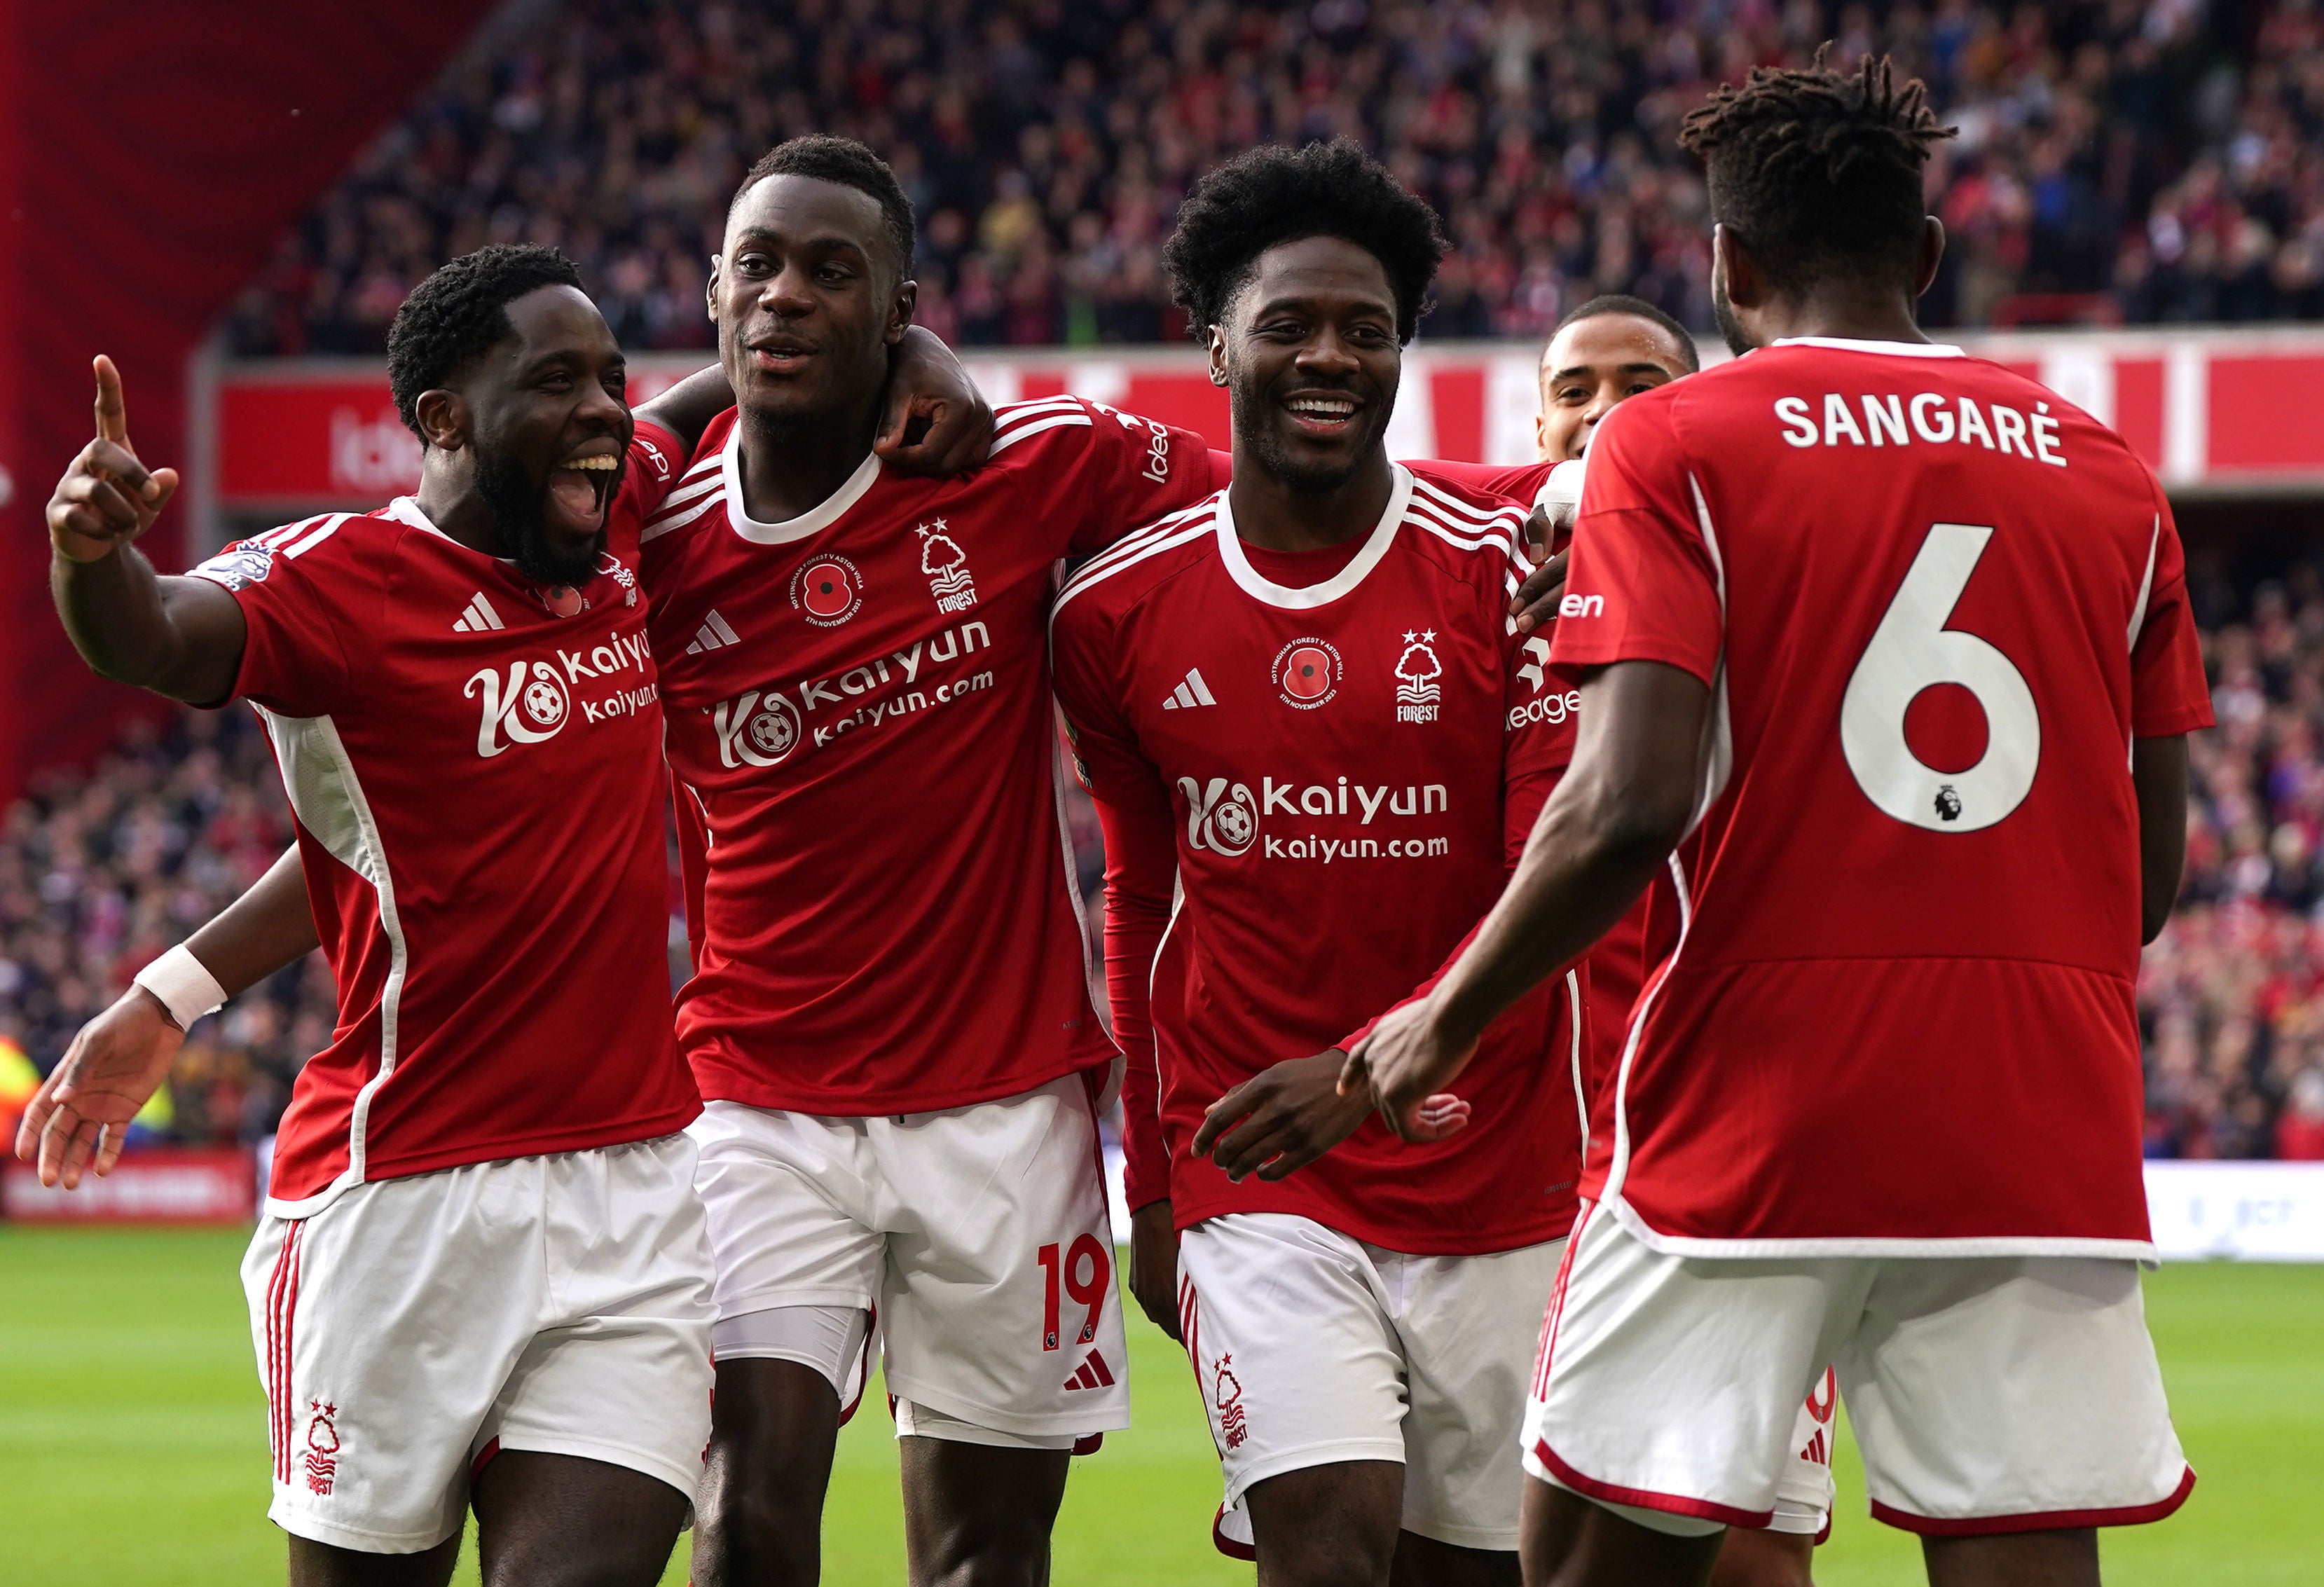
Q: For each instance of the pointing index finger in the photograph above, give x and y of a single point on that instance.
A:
(111, 412)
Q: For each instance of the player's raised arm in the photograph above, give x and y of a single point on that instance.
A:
(179, 637)
(79, 1117)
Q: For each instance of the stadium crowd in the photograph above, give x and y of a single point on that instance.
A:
(101, 870)
(2118, 160)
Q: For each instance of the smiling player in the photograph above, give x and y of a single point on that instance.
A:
(1300, 706)
(482, 1275)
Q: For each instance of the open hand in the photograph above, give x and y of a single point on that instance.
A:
(80, 1115)
(107, 498)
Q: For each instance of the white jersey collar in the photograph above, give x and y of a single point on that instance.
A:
(1894, 349)
(1260, 588)
(821, 516)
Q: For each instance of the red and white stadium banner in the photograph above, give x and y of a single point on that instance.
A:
(2212, 410)
(158, 1186)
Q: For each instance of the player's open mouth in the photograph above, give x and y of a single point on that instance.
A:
(780, 357)
(578, 489)
(1324, 415)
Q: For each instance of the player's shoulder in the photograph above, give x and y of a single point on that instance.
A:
(1470, 533)
(1125, 573)
(1044, 427)
(329, 548)
(694, 496)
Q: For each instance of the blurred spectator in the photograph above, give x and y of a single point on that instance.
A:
(2119, 160)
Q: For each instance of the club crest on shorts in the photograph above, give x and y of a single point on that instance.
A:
(827, 590)
(1307, 673)
(322, 1447)
(1226, 1393)
(947, 565)
(1416, 672)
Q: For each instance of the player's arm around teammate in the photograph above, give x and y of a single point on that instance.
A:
(934, 422)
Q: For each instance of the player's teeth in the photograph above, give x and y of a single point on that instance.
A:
(606, 462)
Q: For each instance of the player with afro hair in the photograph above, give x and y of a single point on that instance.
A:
(1272, 195)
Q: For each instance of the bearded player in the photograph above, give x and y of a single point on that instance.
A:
(1888, 666)
(481, 1276)
(1301, 705)
(508, 339)
(1606, 351)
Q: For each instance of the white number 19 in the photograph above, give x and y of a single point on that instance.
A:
(1912, 650)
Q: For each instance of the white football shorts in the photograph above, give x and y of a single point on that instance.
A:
(415, 1327)
(1312, 1347)
(977, 1237)
(1990, 1394)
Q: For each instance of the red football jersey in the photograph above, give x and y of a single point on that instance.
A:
(1337, 754)
(1617, 961)
(475, 782)
(879, 884)
(1933, 604)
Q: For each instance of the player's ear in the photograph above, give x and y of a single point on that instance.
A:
(900, 312)
(1745, 285)
(1933, 253)
(1218, 351)
(710, 287)
(443, 418)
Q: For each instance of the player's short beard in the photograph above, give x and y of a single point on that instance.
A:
(1252, 403)
(519, 514)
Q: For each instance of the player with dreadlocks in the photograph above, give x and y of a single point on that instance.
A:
(1886, 665)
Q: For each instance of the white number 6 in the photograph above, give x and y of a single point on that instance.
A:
(1913, 650)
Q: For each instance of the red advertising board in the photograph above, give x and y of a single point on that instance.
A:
(2211, 410)
(160, 1187)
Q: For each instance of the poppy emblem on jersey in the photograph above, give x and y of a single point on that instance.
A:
(322, 1447)
(755, 729)
(564, 601)
(1220, 817)
(827, 591)
(527, 706)
(1307, 672)
(947, 565)
(1416, 672)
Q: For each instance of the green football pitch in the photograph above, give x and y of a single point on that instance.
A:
(133, 1439)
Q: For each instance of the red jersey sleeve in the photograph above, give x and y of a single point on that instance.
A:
(2168, 693)
(655, 459)
(1643, 585)
(306, 590)
(1141, 868)
(1133, 472)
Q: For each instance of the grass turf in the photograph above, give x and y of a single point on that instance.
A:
(133, 1439)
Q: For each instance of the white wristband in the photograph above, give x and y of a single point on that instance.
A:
(185, 987)
(1561, 493)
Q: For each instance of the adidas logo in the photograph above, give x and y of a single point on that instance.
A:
(478, 616)
(1191, 692)
(714, 634)
(1092, 1374)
